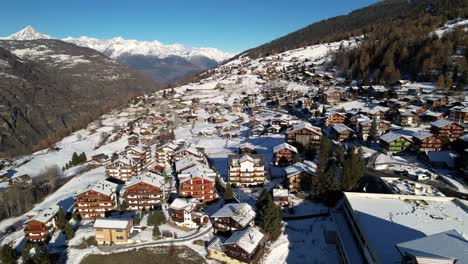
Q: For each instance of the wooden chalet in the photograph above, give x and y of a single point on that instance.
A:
(124, 168)
(243, 246)
(283, 154)
(300, 175)
(331, 97)
(232, 217)
(340, 132)
(98, 199)
(41, 226)
(394, 143)
(334, 117)
(459, 114)
(446, 129)
(425, 141)
(198, 182)
(187, 213)
(145, 191)
(304, 134)
(165, 152)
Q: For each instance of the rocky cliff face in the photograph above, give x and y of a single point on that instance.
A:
(48, 88)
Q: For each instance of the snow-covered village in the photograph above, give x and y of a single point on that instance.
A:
(281, 158)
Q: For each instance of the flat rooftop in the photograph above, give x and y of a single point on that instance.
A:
(386, 220)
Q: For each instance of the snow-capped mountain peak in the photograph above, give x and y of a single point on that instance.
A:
(118, 46)
(28, 33)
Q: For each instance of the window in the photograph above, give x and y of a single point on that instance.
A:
(120, 237)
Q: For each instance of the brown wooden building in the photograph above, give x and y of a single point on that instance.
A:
(304, 134)
(145, 191)
(283, 154)
(233, 216)
(98, 199)
(198, 182)
(333, 118)
(446, 129)
(40, 227)
(426, 141)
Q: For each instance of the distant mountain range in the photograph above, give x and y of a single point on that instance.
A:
(163, 63)
(50, 88)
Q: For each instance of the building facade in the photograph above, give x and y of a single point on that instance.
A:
(246, 170)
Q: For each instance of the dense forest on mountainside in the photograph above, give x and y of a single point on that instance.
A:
(405, 48)
(362, 21)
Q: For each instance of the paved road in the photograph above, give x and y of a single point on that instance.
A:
(158, 243)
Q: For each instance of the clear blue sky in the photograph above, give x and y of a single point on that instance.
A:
(230, 25)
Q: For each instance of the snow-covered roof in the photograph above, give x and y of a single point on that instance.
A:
(168, 145)
(184, 204)
(441, 123)
(236, 160)
(187, 162)
(150, 178)
(247, 145)
(296, 168)
(103, 186)
(196, 171)
(447, 157)
(125, 160)
(285, 146)
(280, 192)
(303, 125)
(431, 113)
(190, 150)
(402, 218)
(111, 223)
(242, 213)
(341, 128)
(449, 245)
(391, 136)
(248, 239)
(422, 135)
(217, 243)
(46, 215)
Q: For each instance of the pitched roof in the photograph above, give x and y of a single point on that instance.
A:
(242, 213)
(103, 186)
(341, 128)
(441, 123)
(46, 215)
(422, 135)
(296, 168)
(303, 125)
(285, 146)
(150, 178)
(186, 162)
(248, 239)
(184, 204)
(445, 245)
(235, 159)
(391, 136)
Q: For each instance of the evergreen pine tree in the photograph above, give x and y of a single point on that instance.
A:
(373, 131)
(8, 254)
(228, 194)
(322, 183)
(269, 215)
(75, 159)
(69, 233)
(61, 219)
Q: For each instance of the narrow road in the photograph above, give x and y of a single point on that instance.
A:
(163, 242)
